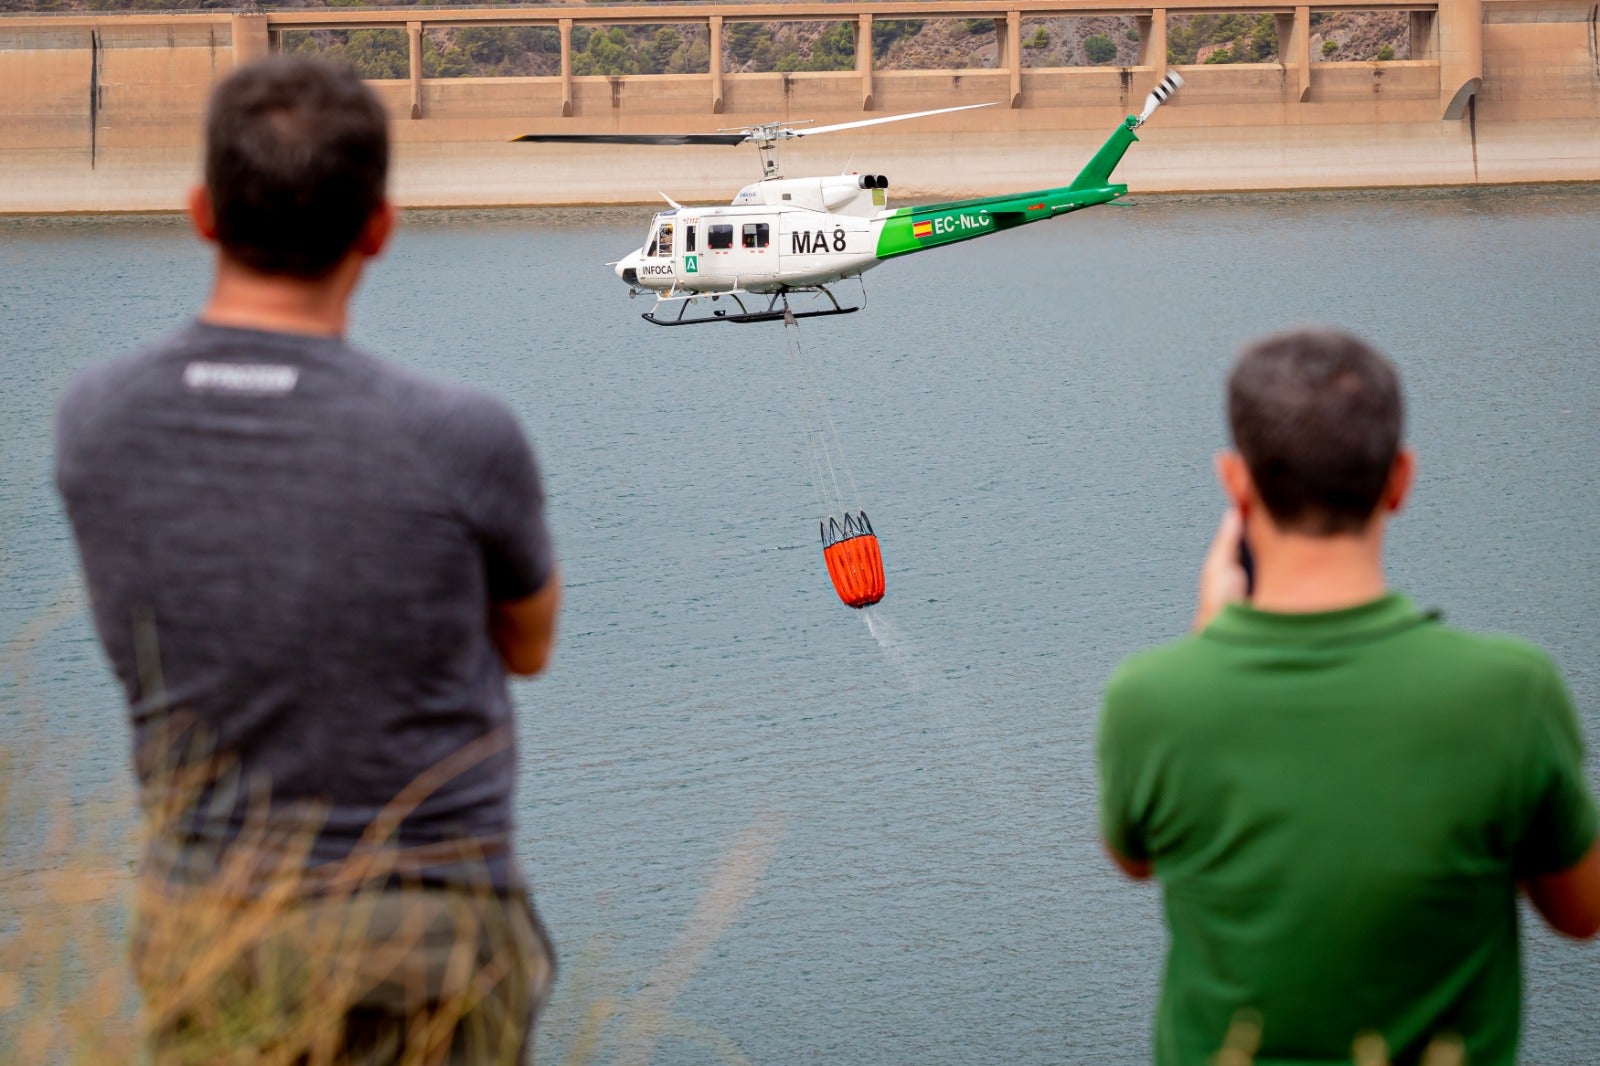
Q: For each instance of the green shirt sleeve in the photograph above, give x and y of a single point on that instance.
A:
(1121, 822)
(1560, 820)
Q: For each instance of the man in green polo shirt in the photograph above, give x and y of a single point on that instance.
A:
(1338, 793)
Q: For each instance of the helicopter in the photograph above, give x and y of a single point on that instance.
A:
(786, 236)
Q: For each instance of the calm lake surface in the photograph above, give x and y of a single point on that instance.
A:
(903, 799)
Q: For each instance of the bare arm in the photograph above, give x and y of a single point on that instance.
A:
(524, 631)
(1138, 869)
(1570, 899)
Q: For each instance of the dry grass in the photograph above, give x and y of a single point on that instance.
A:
(212, 958)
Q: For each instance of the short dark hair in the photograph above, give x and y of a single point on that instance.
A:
(297, 154)
(1317, 415)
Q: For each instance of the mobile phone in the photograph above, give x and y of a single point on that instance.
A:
(1247, 563)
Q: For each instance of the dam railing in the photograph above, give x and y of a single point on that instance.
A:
(1445, 37)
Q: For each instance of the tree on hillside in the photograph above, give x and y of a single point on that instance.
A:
(657, 54)
(370, 53)
(742, 38)
(887, 31)
(1245, 38)
(606, 52)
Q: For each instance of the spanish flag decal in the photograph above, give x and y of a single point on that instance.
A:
(922, 229)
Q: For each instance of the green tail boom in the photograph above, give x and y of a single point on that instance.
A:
(1097, 174)
(914, 229)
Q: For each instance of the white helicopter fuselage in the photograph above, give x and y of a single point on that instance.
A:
(777, 234)
(786, 236)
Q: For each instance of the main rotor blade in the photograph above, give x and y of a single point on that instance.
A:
(635, 138)
(886, 118)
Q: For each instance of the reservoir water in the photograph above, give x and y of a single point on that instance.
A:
(766, 828)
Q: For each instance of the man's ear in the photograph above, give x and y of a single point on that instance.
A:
(1234, 476)
(1401, 476)
(201, 216)
(379, 228)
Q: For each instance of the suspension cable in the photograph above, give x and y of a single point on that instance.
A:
(823, 448)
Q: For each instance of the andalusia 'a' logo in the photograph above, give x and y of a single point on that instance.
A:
(922, 229)
(691, 264)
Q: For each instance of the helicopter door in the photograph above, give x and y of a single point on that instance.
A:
(691, 254)
(754, 256)
(658, 265)
(716, 245)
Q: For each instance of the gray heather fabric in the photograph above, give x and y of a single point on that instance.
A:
(295, 546)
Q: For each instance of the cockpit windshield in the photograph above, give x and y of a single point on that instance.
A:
(660, 246)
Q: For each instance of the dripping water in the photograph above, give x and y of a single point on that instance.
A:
(972, 762)
(897, 651)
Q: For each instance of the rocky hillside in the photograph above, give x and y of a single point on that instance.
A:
(1350, 35)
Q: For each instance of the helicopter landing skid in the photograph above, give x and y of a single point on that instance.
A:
(777, 310)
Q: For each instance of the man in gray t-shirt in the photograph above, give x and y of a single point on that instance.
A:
(317, 570)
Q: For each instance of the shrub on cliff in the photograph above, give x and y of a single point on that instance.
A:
(1099, 49)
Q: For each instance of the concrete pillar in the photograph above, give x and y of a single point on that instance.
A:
(1460, 54)
(716, 64)
(1012, 50)
(1294, 52)
(1424, 40)
(566, 68)
(250, 38)
(414, 33)
(864, 58)
(1153, 41)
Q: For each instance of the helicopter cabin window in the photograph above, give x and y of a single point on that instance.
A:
(663, 242)
(757, 234)
(688, 238)
(719, 237)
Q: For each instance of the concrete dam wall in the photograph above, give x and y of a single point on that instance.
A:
(103, 112)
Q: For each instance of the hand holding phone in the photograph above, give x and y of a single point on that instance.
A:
(1224, 578)
(1247, 563)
